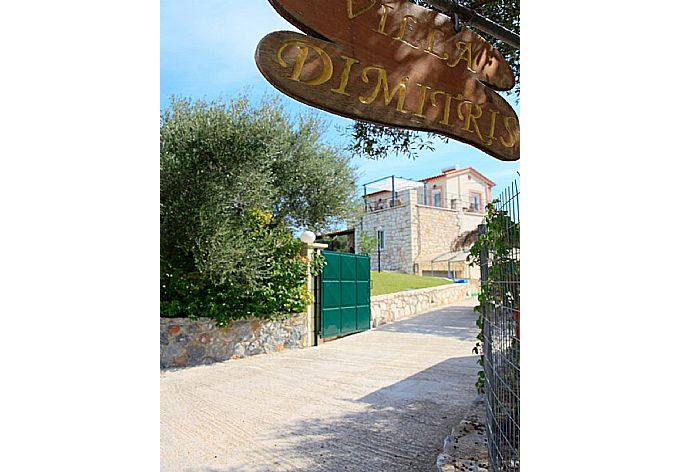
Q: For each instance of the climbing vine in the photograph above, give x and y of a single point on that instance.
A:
(318, 262)
(501, 290)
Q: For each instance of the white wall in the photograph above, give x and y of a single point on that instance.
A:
(469, 183)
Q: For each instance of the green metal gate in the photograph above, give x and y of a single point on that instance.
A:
(345, 294)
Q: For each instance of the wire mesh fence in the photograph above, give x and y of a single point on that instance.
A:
(500, 274)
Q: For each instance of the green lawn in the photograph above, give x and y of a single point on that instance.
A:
(391, 282)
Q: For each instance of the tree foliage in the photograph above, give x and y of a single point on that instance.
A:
(279, 287)
(375, 141)
(367, 243)
(235, 181)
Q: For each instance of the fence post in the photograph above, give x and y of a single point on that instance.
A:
(486, 349)
(364, 197)
(483, 258)
(392, 191)
(484, 288)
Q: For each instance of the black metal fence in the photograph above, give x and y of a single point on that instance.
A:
(500, 264)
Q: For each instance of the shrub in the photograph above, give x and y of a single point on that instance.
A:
(281, 291)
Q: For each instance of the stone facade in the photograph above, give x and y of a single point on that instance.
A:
(396, 223)
(401, 305)
(415, 231)
(436, 229)
(186, 343)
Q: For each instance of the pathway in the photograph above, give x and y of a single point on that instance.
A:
(382, 400)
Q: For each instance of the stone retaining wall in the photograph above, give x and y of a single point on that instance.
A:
(401, 305)
(186, 342)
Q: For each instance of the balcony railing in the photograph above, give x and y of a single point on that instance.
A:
(385, 194)
(382, 205)
(452, 202)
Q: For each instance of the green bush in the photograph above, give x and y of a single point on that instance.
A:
(236, 181)
(281, 292)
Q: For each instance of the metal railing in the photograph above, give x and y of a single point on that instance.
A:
(387, 193)
(382, 194)
(453, 201)
(382, 204)
(383, 201)
(500, 269)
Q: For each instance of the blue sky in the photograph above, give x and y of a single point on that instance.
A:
(207, 51)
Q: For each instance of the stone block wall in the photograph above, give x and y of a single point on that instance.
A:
(436, 228)
(401, 305)
(186, 343)
(413, 231)
(397, 226)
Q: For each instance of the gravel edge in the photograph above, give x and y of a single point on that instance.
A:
(465, 449)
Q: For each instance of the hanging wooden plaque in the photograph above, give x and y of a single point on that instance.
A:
(402, 31)
(391, 87)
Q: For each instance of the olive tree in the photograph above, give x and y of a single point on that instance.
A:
(236, 180)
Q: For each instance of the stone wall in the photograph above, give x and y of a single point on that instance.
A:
(396, 224)
(186, 342)
(401, 305)
(437, 228)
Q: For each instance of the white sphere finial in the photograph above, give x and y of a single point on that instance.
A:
(308, 237)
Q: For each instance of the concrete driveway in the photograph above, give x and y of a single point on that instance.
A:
(382, 400)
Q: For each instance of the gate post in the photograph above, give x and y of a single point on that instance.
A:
(311, 339)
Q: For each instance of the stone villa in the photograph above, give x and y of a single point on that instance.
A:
(425, 227)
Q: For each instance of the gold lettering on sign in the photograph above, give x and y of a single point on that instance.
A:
(384, 19)
(492, 131)
(465, 53)
(345, 77)
(303, 49)
(472, 119)
(446, 108)
(382, 82)
(462, 102)
(512, 133)
(351, 14)
(403, 31)
(422, 100)
(296, 60)
(431, 41)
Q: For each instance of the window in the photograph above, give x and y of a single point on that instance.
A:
(380, 235)
(475, 202)
(436, 197)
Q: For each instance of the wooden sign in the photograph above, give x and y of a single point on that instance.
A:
(399, 86)
(401, 30)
